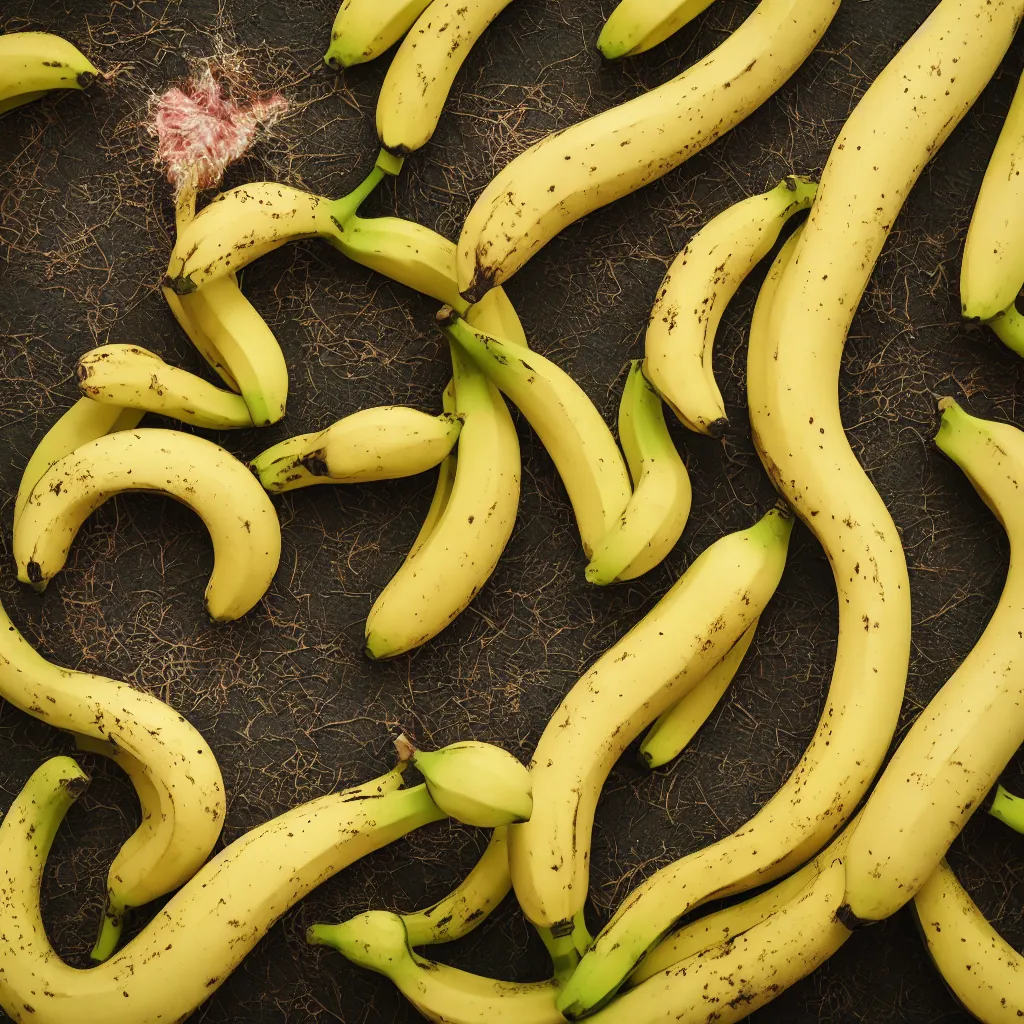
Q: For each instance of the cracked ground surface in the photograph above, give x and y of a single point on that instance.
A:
(285, 697)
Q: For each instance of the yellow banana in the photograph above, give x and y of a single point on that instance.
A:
(636, 26)
(34, 63)
(364, 29)
(445, 481)
(1007, 808)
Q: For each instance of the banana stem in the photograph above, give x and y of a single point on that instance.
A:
(565, 956)
(344, 209)
(389, 163)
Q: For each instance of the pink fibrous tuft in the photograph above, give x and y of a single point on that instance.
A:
(200, 132)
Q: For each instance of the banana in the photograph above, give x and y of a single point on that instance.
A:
(1007, 808)
(796, 346)
(385, 443)
(172, 767)
(654, 517)
(567, 422)
(378, 941)
(982, 970)
(1009, 328)
(636, 26)
(34, 63)
(85, 421)
(993, 267)
(420, 77)
(470, 903)
(242, 522)
(128, 376)
(445, 481)
(705, 612)
(364, 29)
(674, 728)
(956, 748)
(575, 171)
(697, 288)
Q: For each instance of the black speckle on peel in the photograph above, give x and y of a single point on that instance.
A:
(34, 571)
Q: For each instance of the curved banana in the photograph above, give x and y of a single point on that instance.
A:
(698, 286)
(956, 748)
(796, 346)
(674, 728)
(982, 970)
(993, 266)
(577, 170)
(384, 443)
(131, 377)
(85, 421)
(420, 77)
(654, 517)
(567, 422)
(1007, 808)
(636, 26)
(364, 29)
(705, 612)
(34, 63)
(172, 767)
(242, 522)
(377, 941)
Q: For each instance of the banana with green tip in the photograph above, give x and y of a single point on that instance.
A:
(241, 520)
(1007, 808)
(573, 172)
(34, 63)
(364, 29)
(654, 517)
(698, 286)
(636, 26)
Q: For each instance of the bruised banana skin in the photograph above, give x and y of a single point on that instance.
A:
(234, 508)
(364, 29)
(636, 26)
(573, 172)
(35, 63)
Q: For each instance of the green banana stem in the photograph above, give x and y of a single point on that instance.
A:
(389, 163)
(1008, 809)
(563, 950)
(344, 209)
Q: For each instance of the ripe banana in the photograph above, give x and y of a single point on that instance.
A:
(385, 443)
(636, 26)
(654, 517)
(993, 268)
(674, 728)
(364, 29)
(567, 422)
(1009, 328)
(697, 288)
(705, 612)
(85, 421)
(171, 765)
(953, 753)
(982, 970)
(128, 376)
(33, 63)
(420, 77)
(1007, 808)
(242, 522)
(378, 941)
(575, 171)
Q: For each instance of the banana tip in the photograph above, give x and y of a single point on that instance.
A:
(85, 79)
(719, 428)
(849, 920)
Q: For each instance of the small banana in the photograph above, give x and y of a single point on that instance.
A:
(128, 376)
(567, 422)
(573, 172)
(420, 77)
(993, 266)
(34, 63)
(242, 522)
(384, 443)
(697, 288)
(85, 421)
(654, 517)
(1007, 808)
(636, 26)
(364, 29)
(674, 728)
(982, 970)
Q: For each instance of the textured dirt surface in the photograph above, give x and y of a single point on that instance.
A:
(285, 697)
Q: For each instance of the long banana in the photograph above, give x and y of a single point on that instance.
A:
(706, 611)
(420, 77)
(795, 350)
(982, 970)
(567, 422)
(34, 63)
(956, 748)
(575, 171)
(241, 520)
(364, 29)
(698, 286)
(654, 517)
(993, 266)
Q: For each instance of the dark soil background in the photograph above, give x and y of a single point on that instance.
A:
(286, 698)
